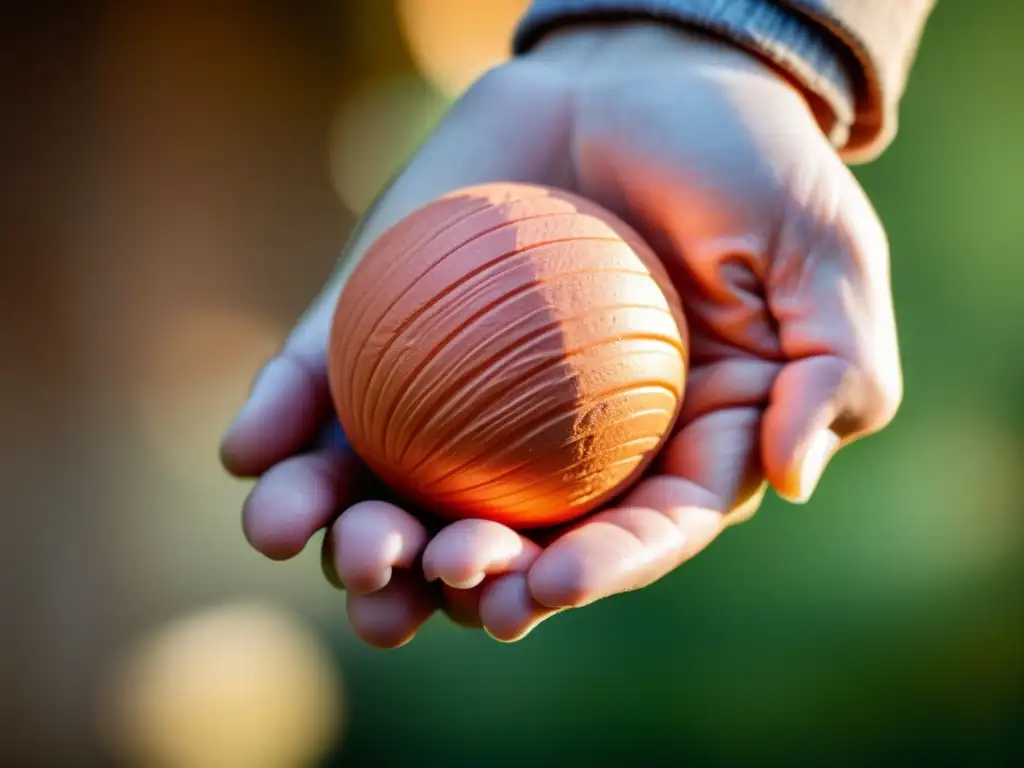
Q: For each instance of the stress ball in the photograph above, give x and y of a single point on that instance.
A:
(508, 352)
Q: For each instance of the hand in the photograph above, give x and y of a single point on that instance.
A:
(782, 266)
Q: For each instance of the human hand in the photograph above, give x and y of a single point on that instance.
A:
(782, 267)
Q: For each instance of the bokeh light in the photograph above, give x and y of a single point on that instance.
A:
(174, 194)
(230, 686)
(453, 42)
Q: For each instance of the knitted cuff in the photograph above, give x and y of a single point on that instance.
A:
(802, 48)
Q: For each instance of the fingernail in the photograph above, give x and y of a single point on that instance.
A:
(467, 583)
(820, 449)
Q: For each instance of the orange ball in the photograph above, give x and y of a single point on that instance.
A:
(508, 352)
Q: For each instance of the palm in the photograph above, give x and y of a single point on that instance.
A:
(729, 194)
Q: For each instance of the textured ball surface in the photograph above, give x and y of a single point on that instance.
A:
(508, 352)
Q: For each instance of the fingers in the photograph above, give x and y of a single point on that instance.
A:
(391, 617)
(710, 478)
(288, 403)
(732, 382)
(462, 605)
(482, 565)
(368, 542)
(712, 472)
(804, 425)
(463, 554)
(362, 550)
(664, 522)
(373, 551)
(509, 611)
(829, 291)
(295, 499)
(720, 454)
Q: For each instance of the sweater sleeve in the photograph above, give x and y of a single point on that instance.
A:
(852, 55)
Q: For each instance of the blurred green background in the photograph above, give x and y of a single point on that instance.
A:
(178, 179)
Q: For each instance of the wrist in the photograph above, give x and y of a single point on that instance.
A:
(795, 49)
(596, 49)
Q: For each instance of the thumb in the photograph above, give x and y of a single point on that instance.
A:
(829, 290)
(817, 405)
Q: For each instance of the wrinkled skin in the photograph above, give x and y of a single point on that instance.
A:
(782, 265)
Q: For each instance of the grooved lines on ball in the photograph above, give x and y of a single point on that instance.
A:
(432, 249)
(468, 223)
(570, 461)
(520, 412)
(508, 358)
(546, 269)
(485, 361)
